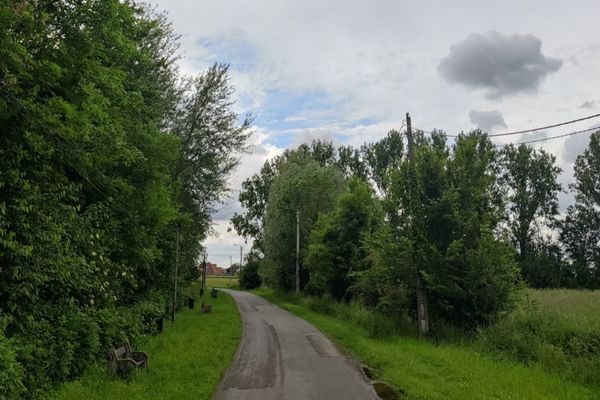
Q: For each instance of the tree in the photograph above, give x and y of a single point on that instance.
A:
(470, 276)
(211, 138)
(305, 186)
(249, 276)
(255, 193)
(581, 228)
(335, 252)
(529, 178)
(254, 197)
(381, 157)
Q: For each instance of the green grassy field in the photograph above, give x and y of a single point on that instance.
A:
(222, 282)
(579, 308)
(559, 330)
(187, 360)
(427, 371)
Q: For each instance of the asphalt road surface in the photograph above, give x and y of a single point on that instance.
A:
(283, 357)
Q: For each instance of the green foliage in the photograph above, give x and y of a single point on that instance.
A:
(474, 286)
(11, 372)
(305, 186)
(386, 285)
(529, 180)
(249, 276)
(441, 228)
(544, 267)
(103, 153)
(255, 194)
(581, 227)
(335, 250)
(382, 157)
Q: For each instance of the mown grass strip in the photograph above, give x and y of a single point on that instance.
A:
(429, 371)
(187, 360)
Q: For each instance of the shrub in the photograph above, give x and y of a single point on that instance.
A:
(249, 277)
(146, 312)
(11, 372)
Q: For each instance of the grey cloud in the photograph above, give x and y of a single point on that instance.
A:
(226, 210)
(500, 64)
(575, 145)
(566, 196)
(487, 120)
(308, 135)
(537, 135)
(588, 104)
(259, 149)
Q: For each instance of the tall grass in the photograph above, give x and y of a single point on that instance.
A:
(579, 308)
(556, 329)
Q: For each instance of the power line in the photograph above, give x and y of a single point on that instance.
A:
(550, 137)
(545, 127)
(525, 130)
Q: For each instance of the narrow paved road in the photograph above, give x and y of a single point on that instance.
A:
(283, 357)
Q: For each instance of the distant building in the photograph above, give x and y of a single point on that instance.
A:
(213, 269)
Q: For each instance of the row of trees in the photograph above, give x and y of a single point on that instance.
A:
(471, 220)
(106, 153)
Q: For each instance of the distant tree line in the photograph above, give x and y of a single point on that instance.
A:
(476, 222)
(106, 152)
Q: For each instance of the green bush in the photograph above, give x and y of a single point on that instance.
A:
(66, 340)
(58, 346)
(249, 277)
(11, 372)
(146, 312)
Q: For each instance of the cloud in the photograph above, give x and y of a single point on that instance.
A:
(537, 135)
(576, 145)
(588, 104)
(487, 120)
(501, 65)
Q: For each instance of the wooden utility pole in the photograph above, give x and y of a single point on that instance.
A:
(297, 251)
(422, 309)
(203, 275)
(174, 305)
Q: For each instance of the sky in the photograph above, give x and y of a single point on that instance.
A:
(348, 71)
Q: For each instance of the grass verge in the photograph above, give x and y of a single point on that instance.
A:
(427, 371)
(187, 360)
(222, 282)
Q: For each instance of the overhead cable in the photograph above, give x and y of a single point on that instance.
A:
(525, 130)
(550, 137)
